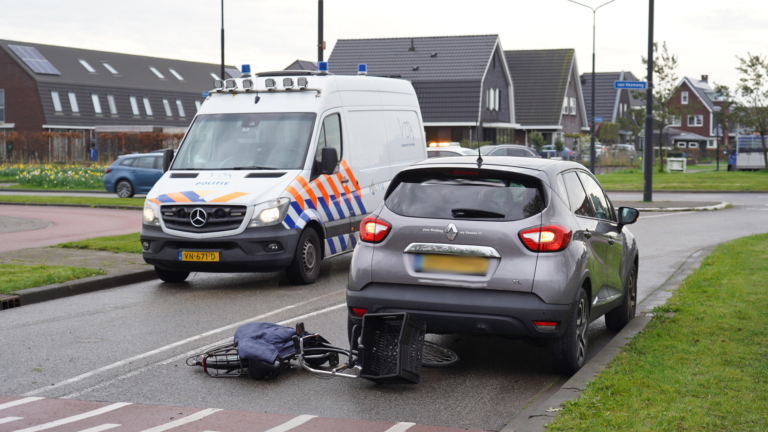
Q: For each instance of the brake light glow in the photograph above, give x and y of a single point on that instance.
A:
(374, 230)
(359, 312)
(108, 170)
(548, 238)
(546, 325)
(464, 172)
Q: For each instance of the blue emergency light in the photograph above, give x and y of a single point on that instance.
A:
(322, 66)
(246, 69)
(205, 94)
(362, 69)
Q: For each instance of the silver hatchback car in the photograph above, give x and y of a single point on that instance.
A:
(516, 247)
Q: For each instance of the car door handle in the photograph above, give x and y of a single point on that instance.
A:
(610, 241)
(587, 234)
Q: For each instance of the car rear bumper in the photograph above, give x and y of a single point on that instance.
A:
(457, 310)
(244, 252)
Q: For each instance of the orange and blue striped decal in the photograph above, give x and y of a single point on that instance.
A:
(358, 197)
(194, 197)
(308, 190)
(336, 195)
(228, 197)
(296, 197)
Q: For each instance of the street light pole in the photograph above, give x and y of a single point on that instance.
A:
(222, 40)
(592, 151)
(320, 46)
(718, 110)
(648, 147)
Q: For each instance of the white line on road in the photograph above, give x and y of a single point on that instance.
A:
(75, 418)
(19, 402)
(665, 215)
(101, 428)
(10, 419)
(400, 427)
(292, 423)
(182, 421)
(167, 347)
(189, 354)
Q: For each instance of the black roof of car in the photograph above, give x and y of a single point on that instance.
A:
(500, 161)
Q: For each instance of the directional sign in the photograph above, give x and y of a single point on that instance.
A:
(598, 119)
(634, 85)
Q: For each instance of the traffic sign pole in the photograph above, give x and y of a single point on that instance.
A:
(648, 149)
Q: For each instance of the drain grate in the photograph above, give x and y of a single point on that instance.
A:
(9, 302)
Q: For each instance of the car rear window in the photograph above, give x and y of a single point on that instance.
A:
(465, 194)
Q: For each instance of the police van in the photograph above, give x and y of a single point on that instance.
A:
(276, 172)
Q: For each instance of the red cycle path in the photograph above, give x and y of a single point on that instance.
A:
(65, 415)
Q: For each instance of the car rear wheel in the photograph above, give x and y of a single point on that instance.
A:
(306, 260)
(620, 316)
(124, 189)
(171, 276)
(569, 351)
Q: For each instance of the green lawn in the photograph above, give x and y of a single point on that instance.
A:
(122, 243)
(133, 202)
(705, 368)
(704, 180)
(14, 277)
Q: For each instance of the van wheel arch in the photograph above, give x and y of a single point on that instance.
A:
(320, 234)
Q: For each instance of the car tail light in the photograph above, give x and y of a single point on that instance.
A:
(546, 325)
(374, 230)
(108, 170)
(359, 312)
(549, 238)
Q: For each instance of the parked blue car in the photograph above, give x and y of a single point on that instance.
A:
(133, 174)
(548, 152)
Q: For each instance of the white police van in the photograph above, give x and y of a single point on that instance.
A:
(276, 172)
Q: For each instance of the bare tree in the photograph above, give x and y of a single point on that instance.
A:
(752, 96)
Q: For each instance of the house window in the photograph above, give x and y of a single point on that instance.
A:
(167, 106)
(180, 107)
(573, 106)
(157, 72)
(684, 98)
(2, 106)
(693, 144)
(176, 74)
(216, 77)
(73, 102)
(695, 120)
(198, 104)
(134, 106)
(712, 144)
(147, 107)
(492, 99)
(565, 105)
(674, 121)
(497, 101)
(111, 102)
(96, 103)
(87, 67)
(681, 144)
(56, 101)
(109, 67)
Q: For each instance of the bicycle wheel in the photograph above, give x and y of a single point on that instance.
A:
(437, 356)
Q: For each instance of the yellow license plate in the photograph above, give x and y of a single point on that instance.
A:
(451, 264)
(198, 256)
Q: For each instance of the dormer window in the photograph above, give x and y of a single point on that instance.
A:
(87, 67)
(684, 98)
(157, 72)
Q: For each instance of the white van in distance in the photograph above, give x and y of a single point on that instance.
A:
(276, 172)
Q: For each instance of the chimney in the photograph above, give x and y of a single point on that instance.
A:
(705, 78)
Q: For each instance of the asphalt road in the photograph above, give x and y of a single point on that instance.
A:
(129, 343)
(94, 194)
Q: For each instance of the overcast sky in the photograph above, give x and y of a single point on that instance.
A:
(269, 34)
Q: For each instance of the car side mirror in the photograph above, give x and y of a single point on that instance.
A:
(167, 158)
(627, 216)
(328, 160)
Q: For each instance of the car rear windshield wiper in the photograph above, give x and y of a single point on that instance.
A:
(474, 213)
(253, 168)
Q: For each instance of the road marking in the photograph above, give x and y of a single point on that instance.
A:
(400, 427)
(170, 346)
(293, 423)
(101, 428)
(10, 419)
(19, 402)
(75, 418)
(182, 421)
(669, 214)
(189, 354)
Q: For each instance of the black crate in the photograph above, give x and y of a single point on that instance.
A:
(392, 347)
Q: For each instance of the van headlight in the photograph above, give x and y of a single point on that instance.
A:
(269, 213)
(150, 216)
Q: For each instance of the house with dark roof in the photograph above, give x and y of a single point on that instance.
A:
(302, 65)
(697, 101)
(611, 104)
(548, 94)
(463, 84)
(54, 88)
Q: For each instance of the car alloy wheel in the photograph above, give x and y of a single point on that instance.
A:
(582, 323)
(124, 189)
(632, 292)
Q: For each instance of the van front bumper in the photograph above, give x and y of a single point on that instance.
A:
(448, 310)
(244, 252)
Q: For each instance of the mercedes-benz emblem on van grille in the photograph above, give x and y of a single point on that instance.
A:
(198, 217)
(451, 232)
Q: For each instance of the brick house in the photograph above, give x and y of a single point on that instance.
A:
(696, 101)
(548, 94)
(463, 84)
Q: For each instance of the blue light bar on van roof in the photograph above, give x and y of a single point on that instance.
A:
(246, 68)
(362, 69)
(322, 66)
(205, 94)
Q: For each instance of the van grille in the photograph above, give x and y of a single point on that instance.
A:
(265, 175)
(215, 218)
(184, 175)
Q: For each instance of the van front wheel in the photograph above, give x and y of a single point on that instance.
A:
(306, 260)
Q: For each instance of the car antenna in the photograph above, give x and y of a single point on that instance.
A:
(479, 157)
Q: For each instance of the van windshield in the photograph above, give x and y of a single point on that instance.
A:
(246, 141)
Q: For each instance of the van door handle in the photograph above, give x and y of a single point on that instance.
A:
(344, 180)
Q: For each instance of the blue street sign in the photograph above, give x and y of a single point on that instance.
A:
(634, 85)
(598, 119)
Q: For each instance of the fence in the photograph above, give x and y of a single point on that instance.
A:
(74, 147)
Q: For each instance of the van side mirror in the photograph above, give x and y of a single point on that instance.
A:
(627, 216)
(328, 160)
(167, 158)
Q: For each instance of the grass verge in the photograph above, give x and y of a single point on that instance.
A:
(121, 243)
(90, 201)
(14, 277)
(704, 368)
(704, 180)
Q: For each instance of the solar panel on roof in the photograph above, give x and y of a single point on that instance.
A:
(34, 60)
(234, 73)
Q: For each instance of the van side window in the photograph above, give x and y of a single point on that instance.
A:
(576, 195)
(330, 135)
